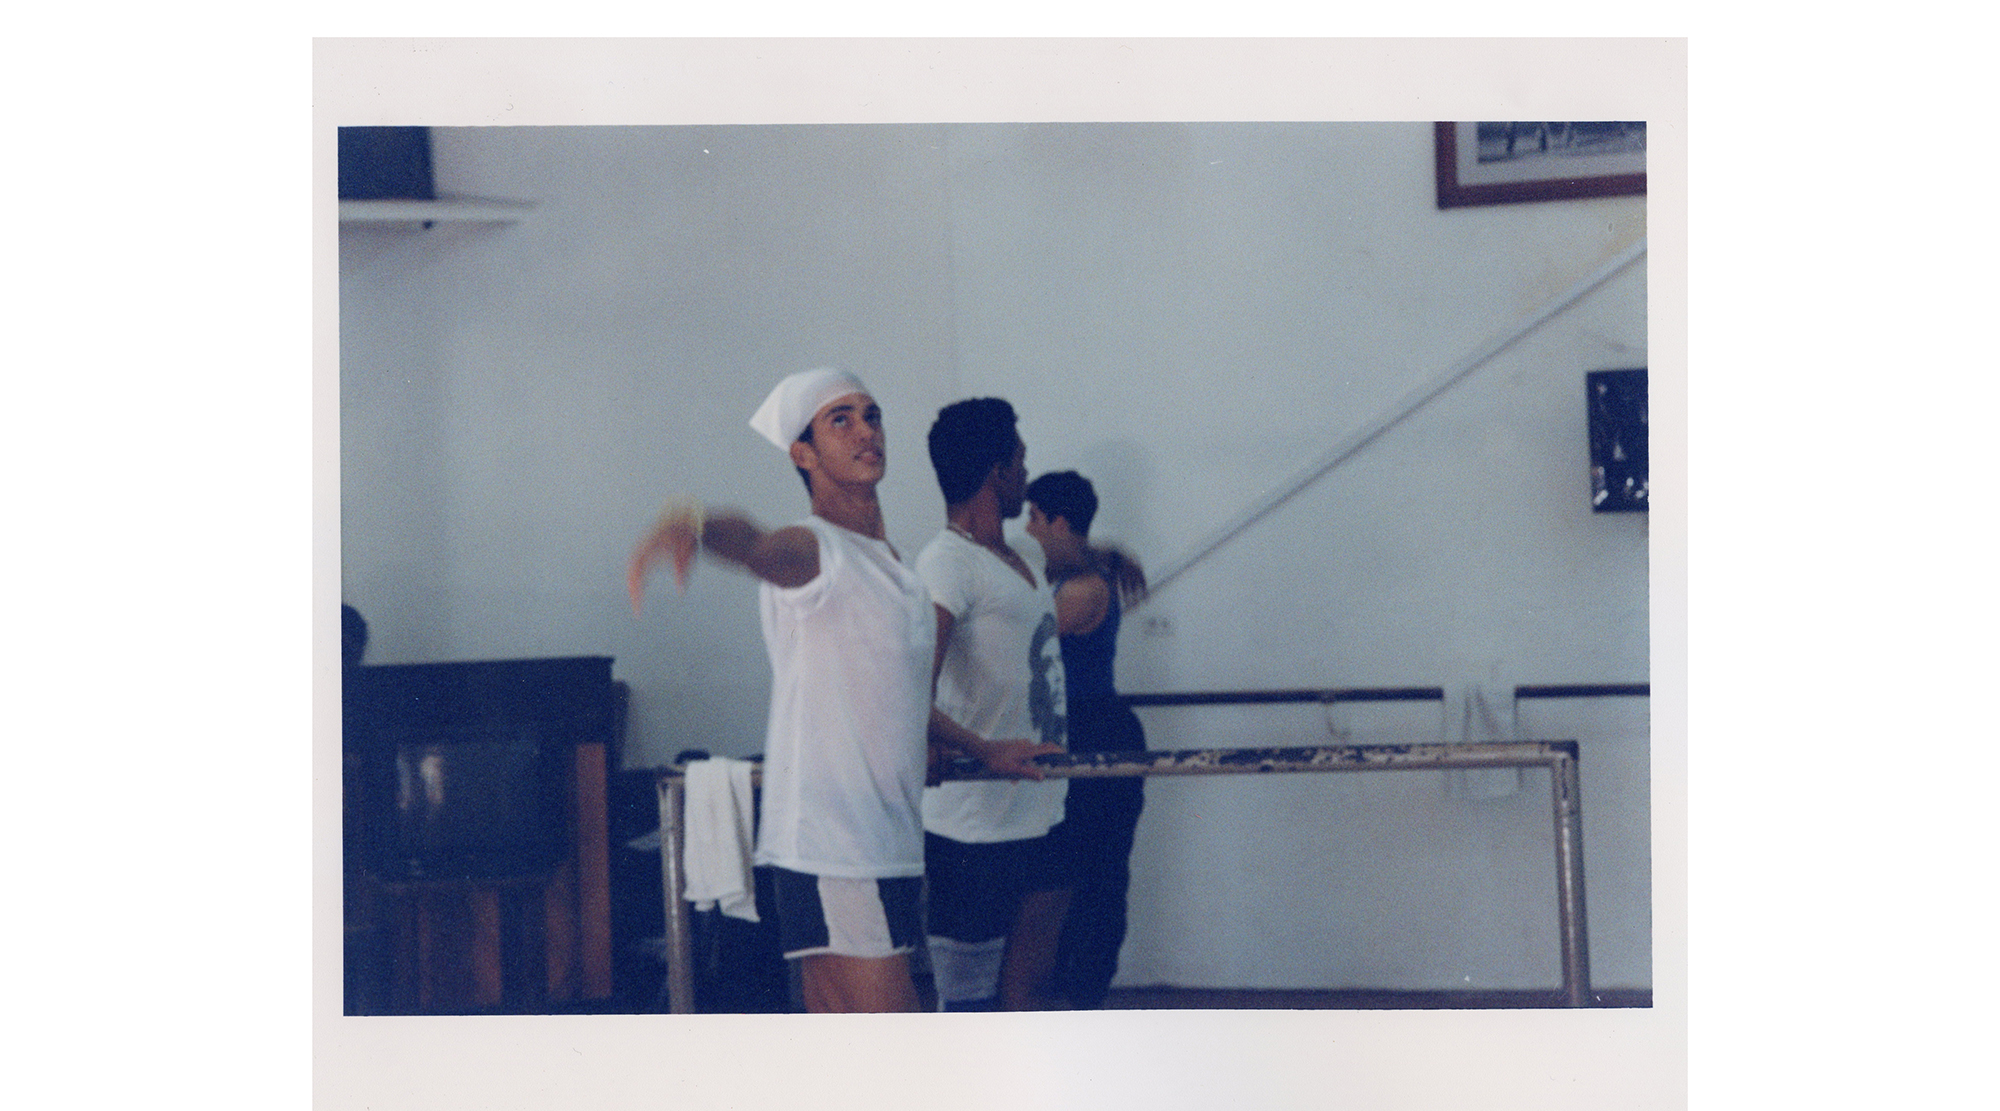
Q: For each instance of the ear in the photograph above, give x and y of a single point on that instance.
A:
(803, 455)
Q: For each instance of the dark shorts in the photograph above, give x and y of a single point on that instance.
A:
(974, 889)
(848, 917)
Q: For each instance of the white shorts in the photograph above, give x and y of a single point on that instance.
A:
(847, 917)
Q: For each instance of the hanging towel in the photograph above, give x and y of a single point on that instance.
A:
(717, 849)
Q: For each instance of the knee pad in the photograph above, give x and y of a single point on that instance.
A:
(966, 971)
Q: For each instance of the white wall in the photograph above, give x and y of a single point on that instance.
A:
(1184, 312)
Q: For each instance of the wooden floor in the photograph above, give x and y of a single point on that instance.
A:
(1228, 999)
(645, 993)
(648, 1001)
(1180, 999)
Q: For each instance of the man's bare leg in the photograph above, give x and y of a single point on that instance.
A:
(834, 984)
(1030, 962)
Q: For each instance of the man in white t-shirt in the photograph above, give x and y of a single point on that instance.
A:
(850, 632)
(998, 881)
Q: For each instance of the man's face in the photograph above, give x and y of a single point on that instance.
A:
(1053, 534)
(1038, 524)
(1011, 482)
(848, 444)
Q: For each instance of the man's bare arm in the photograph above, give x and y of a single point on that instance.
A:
(787, 557)
(1082, 603)
(1012, 758)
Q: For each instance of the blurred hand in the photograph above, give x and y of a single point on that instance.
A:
(674, 539)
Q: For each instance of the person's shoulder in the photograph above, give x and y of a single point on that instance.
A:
(946, 546)
(939, 540)
(1083, 582)
(1084, 597)
(806, 530)
(807, 539)
(949, 568)
(938, 553)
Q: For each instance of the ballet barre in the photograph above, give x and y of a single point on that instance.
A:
(1559, 757)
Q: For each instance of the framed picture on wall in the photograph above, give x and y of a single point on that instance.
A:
(1619, 458)
(1507, 162)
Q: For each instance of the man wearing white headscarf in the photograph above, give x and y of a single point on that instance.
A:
(851, 634)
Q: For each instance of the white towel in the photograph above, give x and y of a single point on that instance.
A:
(716, 852)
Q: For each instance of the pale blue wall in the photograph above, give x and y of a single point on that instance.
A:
(1184, 312)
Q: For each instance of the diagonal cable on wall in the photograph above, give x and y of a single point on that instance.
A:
(1393, 415)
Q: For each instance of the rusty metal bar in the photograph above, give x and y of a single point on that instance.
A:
(1311, 758)
(1565, 781)
(673, 877)
(1559, 757)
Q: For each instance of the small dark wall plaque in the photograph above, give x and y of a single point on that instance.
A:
(1617, 400)
(386, 164)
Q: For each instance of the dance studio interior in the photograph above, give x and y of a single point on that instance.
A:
(1377, 436)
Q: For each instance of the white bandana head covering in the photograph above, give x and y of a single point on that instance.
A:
(796, 400)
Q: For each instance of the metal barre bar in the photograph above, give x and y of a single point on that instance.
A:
(1238, 698)
(1560, 757)
(1305, 758)
(1586, 690)
(1313, 758)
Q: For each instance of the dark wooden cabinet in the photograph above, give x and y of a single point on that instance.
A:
(476, 837)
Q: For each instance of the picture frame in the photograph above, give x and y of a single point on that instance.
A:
(1489, 162)
(1620, 459)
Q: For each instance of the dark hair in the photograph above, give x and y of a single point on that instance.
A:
(968, 439)
(1065, 494)
(353, 635)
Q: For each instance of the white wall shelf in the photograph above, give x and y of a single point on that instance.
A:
(465, 210)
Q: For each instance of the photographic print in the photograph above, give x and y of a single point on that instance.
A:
(1181, 299)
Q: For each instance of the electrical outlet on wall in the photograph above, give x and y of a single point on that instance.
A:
(1158, 625)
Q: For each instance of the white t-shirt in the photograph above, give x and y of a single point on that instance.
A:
(844, 753)
(1002, 679)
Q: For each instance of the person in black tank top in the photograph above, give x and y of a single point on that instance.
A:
(1092, 586)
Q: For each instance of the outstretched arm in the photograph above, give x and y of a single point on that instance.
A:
(1125, 574)
(786, 557)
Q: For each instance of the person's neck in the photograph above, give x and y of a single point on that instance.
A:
(978, 520)
(1066, 558)
(856, 510)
